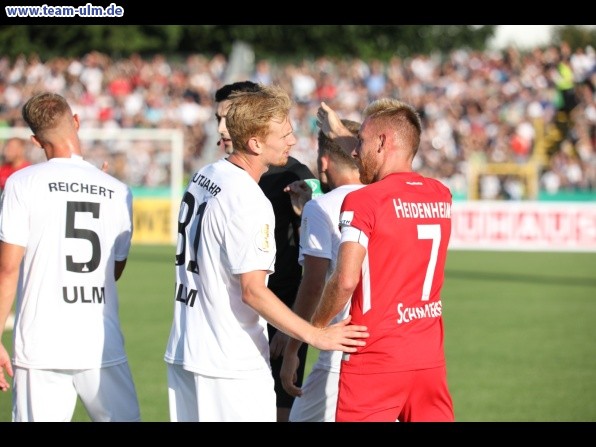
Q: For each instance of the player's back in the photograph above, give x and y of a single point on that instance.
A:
(75, 222)
(407, 219)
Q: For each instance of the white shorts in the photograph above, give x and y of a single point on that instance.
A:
(50, 395)
(319, 398)
(196, 398)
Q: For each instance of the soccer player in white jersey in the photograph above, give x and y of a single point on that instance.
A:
(218, 351)
(70, 225)
(319, 243)
(288, 273)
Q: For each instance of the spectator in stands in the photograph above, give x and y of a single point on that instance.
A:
(14, 158)
(507, 87)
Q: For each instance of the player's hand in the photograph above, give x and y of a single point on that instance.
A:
(329, 122)
(104, 166)
(288, 374)
(5, 365)
(341, 336)
(300, 193)
(277, 344)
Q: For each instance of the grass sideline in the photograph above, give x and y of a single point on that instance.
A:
(520, 334)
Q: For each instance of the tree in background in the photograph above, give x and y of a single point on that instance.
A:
(280, 41)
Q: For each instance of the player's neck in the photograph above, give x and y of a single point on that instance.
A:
(235, 164)
(245, 163)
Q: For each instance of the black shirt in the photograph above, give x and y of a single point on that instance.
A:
(288, 273)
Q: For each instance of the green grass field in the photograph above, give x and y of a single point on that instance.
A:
(520, 334)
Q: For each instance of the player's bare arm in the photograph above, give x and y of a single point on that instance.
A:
(338, 337)
(278, 344)
(341, 284)
(307, 298)
(10, 261)
(330, 123)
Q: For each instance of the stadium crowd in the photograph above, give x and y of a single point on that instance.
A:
(477, 107)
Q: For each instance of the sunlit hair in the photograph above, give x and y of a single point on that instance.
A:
(44, 110)
(400, 117)
(335, 151)
(251, 112)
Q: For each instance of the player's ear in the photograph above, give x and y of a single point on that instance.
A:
(77, 121)
(255, 145)
(36, 141)
(324, 163)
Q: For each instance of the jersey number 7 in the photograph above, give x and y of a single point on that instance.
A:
(430, 232)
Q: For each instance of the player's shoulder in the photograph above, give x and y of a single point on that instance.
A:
(315, 205)
(236, 192)
(336, 195)
(221, 176)
(433, 181)
(29, 169)
(107, 179)
(411, 181)
(438, 186)
(368, 197)
(369, 191)
(28, 175)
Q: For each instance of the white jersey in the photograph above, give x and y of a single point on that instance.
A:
(225, 228)
(74, 221)
(320, 237)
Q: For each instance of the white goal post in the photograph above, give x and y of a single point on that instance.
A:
(175, 137)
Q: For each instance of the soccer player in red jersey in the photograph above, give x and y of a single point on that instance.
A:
(394, 237)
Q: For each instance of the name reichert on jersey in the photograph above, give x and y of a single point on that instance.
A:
(83, 188)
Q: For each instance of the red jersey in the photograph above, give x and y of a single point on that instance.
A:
(7, 169)
(407, 220)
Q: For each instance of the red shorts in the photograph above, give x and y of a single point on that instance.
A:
(409, 396)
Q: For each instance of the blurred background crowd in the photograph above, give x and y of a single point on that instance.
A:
(536, 107)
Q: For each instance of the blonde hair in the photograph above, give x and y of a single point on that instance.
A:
(400, 117)
(250, 113)
(44, 110)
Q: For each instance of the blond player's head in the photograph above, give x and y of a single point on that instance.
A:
(259, 124)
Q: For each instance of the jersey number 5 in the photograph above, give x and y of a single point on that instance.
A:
(72, 208)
